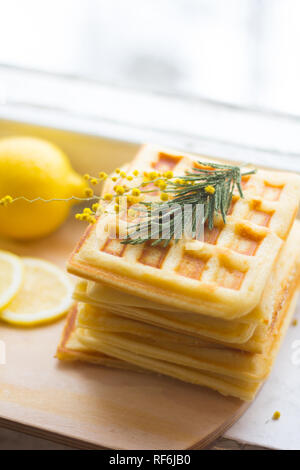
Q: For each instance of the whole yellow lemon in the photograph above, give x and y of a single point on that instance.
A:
(33, 168)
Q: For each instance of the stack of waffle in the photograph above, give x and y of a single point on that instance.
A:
(210, 312)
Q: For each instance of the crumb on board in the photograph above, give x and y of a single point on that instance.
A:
(276, 415)
(295, 322)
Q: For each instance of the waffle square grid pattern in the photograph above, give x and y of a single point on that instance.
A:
(229, 269)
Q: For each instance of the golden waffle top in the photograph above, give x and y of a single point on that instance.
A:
(223, 276)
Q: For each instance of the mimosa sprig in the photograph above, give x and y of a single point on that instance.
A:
(209, 184)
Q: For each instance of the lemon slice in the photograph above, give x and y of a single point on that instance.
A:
(11, 276)
(45, 295)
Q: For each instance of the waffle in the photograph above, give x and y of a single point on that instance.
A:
(70, 349)
(140, 338)
(236, 334)
(179, 321)
(123, 343)
(224, 276)
(210, 312)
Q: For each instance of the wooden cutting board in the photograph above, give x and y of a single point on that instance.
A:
(86, 406)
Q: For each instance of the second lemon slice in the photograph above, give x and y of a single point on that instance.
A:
(45, 295)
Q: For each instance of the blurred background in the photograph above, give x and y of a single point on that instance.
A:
(244, 52)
